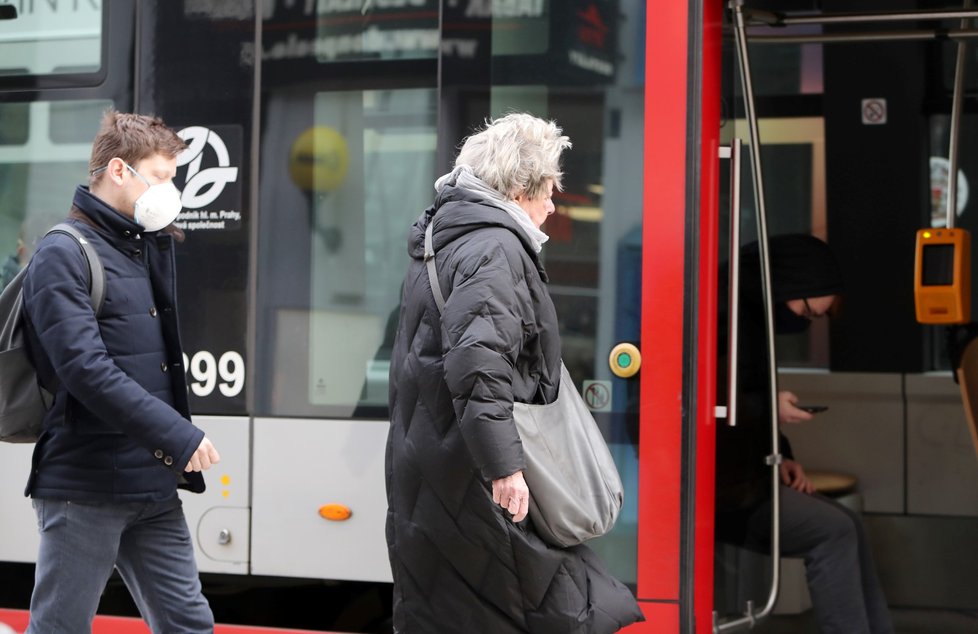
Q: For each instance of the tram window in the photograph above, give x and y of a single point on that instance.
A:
(38, 172)
(13, 123)
(779, 69)
(525, 34)
(793, 158)
(334, 243)
(49, 38)
(75, 121)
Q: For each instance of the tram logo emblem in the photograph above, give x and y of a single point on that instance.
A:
(202, 186)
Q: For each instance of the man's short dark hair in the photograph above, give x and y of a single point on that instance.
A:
(131, 137)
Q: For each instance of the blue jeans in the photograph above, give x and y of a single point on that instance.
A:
(148, 542)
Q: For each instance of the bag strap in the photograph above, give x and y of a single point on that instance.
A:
(429, 258)
(96, 271)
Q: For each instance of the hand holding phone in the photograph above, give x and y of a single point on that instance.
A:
(813, 409)
(791, 411)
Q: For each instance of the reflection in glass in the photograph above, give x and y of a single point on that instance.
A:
(593, 256)
(358, 244)
(359, 173)
(36, 152)
(51, 37)
(372, 30)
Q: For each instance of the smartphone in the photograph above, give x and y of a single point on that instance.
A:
(813, 409)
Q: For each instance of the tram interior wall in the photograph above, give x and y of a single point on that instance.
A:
(906, 440)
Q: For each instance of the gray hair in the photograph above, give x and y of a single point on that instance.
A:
(516, 154)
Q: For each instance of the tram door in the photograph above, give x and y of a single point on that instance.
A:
(788, 197)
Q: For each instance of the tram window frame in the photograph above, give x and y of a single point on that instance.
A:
(55, 80)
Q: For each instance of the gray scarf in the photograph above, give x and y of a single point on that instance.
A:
(462, 176)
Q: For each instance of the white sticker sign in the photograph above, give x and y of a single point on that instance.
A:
(597, 395)
(874, 111)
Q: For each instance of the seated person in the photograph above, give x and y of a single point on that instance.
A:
(842, 581)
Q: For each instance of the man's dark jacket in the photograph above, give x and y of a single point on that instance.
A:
(459, 562)
(119, 429)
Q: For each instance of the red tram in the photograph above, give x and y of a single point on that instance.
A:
(317, 129)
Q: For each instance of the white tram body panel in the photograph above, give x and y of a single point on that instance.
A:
(260, 512)
(301, 465)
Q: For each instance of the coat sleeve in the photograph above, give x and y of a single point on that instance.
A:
(482, 330)
(57, 303)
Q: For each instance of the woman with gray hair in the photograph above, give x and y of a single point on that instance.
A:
(465, 557)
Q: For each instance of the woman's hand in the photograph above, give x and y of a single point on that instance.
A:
(787, 412)
(512, 494)
(794, 476)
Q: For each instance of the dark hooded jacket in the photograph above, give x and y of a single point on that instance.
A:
(119, 429)
(802, 266)
(459, 562)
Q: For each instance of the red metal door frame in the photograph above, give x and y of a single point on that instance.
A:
(681, 196)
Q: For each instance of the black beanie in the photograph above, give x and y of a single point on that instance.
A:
(802, 266)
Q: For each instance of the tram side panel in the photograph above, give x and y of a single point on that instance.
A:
(319, 505)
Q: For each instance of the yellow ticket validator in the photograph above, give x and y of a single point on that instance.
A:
(942, 276)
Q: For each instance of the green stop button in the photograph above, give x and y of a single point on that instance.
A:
(625, 360)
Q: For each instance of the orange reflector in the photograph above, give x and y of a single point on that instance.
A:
(335, 512)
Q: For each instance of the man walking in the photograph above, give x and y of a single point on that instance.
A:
(117, 441)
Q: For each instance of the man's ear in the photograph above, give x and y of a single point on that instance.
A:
(116, 170)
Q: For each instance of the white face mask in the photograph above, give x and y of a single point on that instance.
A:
(158, 206)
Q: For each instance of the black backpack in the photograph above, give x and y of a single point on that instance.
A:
(23, 398)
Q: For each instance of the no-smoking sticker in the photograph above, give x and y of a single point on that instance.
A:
(597, 395)
(874, 111)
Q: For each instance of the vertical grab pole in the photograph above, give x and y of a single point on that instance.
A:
(956, 99)
(774, 460)
(733, 280)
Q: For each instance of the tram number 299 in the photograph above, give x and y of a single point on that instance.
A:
(205, 371)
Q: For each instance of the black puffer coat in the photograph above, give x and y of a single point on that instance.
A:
(459, 563)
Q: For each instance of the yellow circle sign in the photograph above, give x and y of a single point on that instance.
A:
(319, 159)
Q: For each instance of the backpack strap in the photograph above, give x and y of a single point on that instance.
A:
(429, 258)
(96, 272)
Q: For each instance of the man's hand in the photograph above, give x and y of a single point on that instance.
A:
(204, 458)
(794, 476)
(512, 494)
(787, 412)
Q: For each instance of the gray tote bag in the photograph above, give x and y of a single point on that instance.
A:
(575, 489)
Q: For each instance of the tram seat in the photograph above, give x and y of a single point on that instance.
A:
(967, 375)
(745, 572)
